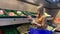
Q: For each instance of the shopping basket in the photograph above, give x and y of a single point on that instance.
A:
(39, 31)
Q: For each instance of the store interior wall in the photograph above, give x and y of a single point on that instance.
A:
(58, 14)
(16, 5)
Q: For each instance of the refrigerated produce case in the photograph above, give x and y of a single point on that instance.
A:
(11, 21)
(13, 16)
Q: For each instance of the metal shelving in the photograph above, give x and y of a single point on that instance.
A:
(12, 21)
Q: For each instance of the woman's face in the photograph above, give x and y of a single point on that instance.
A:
(41, 4)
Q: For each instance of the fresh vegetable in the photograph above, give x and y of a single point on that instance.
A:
(11, 14)
(19, 13)
(1, 12)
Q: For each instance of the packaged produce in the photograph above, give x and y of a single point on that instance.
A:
(20, 13)
(2, 13)
(11, 12)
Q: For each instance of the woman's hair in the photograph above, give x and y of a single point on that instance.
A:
(41, 11)
(40, 18)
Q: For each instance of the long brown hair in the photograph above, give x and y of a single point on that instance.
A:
(41, 18)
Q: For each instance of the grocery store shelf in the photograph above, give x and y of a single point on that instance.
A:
(16, 16)
(11, 21)
(13, 17)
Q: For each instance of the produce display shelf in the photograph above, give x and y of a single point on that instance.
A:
(15, 17)
(18, 24)
(11, 21)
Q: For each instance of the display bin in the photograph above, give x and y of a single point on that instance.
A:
(39, 31)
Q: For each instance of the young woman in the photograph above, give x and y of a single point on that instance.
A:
(41, 18)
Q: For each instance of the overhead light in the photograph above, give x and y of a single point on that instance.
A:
(51, 1)
(54, 0)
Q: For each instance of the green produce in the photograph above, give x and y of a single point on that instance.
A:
(15, 31)
(11, 31)
(25, 13)
(20, 13)
(30, 14)
(33, 12)
(6, 31)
